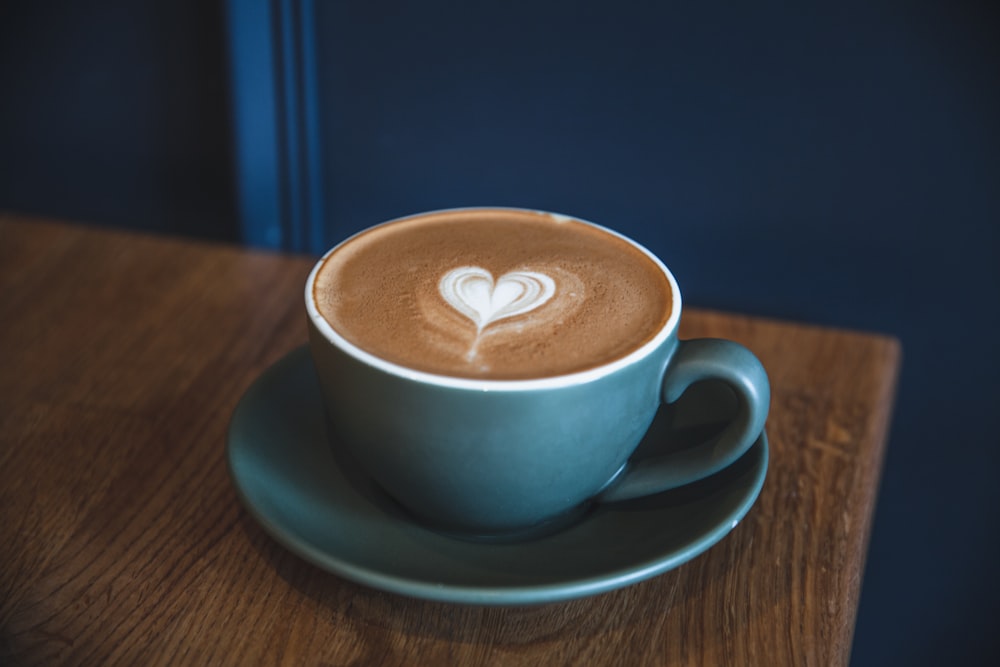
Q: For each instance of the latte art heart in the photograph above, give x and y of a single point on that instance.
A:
(472, 291)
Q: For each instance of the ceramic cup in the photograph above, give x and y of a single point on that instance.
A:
(513, 458)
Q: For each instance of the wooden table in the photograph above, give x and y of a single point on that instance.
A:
(122, 540)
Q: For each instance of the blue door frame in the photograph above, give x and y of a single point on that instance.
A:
(276, 123)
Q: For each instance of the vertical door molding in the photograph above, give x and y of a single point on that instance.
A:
(276, 123)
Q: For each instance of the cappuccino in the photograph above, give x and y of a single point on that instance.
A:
(499, 294)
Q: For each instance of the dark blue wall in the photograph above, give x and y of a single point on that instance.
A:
(836, 165)
(116, 112)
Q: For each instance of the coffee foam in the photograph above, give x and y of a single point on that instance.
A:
(495, 294)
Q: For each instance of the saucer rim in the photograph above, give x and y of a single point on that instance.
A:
(486, 595)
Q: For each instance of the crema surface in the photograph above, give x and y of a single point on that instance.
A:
(492, 294)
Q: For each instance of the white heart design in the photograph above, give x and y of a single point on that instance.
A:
(471, 291)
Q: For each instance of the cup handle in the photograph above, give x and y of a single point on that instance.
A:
(696, 360)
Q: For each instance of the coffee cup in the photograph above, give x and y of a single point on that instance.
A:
(493, 370)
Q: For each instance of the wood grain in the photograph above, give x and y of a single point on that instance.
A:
(121, 359)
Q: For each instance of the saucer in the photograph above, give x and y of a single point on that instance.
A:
(312, 500)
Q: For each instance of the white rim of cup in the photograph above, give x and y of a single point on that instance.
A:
(548, 382)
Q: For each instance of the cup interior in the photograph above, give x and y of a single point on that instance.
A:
(330, 334)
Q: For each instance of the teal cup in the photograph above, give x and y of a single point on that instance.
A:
(509, 459)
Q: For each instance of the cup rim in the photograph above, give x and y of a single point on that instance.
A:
(492, 384)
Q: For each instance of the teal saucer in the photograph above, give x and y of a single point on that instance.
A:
(311, 499)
